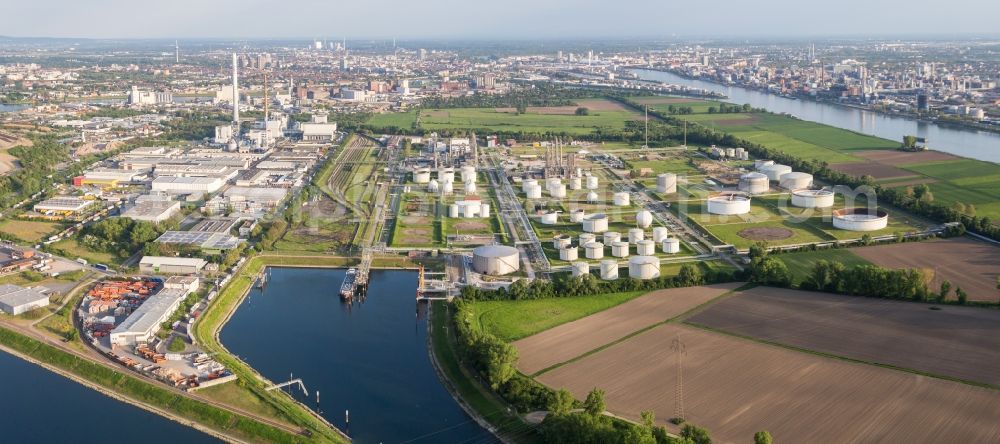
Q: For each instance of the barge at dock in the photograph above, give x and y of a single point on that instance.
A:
(350, 282)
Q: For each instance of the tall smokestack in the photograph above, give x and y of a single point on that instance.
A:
(236, 96)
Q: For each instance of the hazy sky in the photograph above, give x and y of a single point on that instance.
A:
(509, 19)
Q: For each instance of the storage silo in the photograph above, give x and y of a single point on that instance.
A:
(577, 215)
(575, 183)
(592, 197)
(643, 219)
(671, 245)
(612, 236)
(528, 184)
(609, 269)
(796, 180)
(594, 250)
(552, 182)
(591, 182)
(619, 249)
(813, 198)
(774, 172)
(666, 183)
(660, 233)
(730, 152)
(645, 247)
(568, 253)
(470, 188)
(561, 241)
(754, 183)
(643, 267)
(468, 173)
(484, 210)
(433, 186)
(495, 259)
(586, 238)
(453, 210)
(580, 269)
(446, 175)
(447, 187)
(761, 163)
(558, 191)
(595, 223)
(422, 175)
(621, 199)
(635, 235)
(550, 218)
(535, 192)
(729, 204)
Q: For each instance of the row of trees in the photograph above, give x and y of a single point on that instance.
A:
(534, 94)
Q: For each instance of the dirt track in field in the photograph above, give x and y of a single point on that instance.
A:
(736, 387)
(970, 264)
(573, 339)
(874, 169)
(957, 342)
(895, 157)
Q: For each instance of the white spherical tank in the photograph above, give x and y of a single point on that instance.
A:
(860, 219)
(468, 173)
(433, 186)
(576, 216)
(575, 183)
(495, 259)
(550, 218)
(609, 269)
(619, 249)
(591, 182)
(812, 198)
(422, 175)
(484, 210)
(612, 236)
(558, 191)
(635, 235)
(586, 238)
(671, 245)
(774, 172)
(527, 184)
(470, 188)
(758, 164)
(580, 269)
(535, 192)
(643, 219)
(595, 223)
(447, 187)
(592, 197)
(644, 267)
(754, 183)
(795, 180)
(594, 250)
(561, 241)
(621, 199)
(666, 183)
(645, 248)
(568, 254)
(729, 204)
(453, 210)
(660, 233)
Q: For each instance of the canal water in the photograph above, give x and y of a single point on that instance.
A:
(38, 406)
(11, 107)
(963, 142)
(368, 358)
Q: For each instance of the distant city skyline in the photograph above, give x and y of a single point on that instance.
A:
(512, 19)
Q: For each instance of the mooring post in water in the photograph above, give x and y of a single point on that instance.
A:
(347, 416)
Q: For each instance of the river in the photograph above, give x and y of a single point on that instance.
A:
(963, 142)
(370, 358)
(42, 407)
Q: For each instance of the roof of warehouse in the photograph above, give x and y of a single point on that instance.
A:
(167, 260)
(148, 315)
(14, 295)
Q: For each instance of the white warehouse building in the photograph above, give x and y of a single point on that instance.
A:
(187, 185)
(143, 323)
(171, 265)
(15, 300)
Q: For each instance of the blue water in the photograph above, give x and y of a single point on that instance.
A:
(369, 358)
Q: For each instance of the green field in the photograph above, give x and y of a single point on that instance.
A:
(492, 120)
(800, 264)
(964, 180)
(29, 231)
(513, 320)
(73, 249)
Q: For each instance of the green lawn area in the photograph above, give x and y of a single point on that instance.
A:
(800, 264)
(492, 120)
(965, 180)
(28, 230)
(72, 250)
(513, 320)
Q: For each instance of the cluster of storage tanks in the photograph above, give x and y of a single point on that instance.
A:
(445, 182)
(621, 247)
(639, 267)
(557, 189)
(469, 208)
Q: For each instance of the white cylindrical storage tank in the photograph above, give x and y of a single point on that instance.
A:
(580, 269)
(795, 180)
(635, 235)
(528, 184)
(535, 192)
(643, 267)
(470, 210)
(609, 269)
(447, 187)
(468, 173)
(422, 175)
(660, 233)
(643, 219)
(645, 248)
(729, 204)
(595, 223)
(550, 218)
(575, 183)
(568, 253)
(760, 163)
(860, 219)
(612, 236)
(774, 172)
(558, 191)
(551, 182)
(576, 216)
(730, 152)
(586, 238)
(754, 183)
(453, 210)
(484, 210)
(495, 259)
(446, 175)
(621, 199)
(812, 198)
(561, 241)
(592, 197)
(470, 188)
(666, 183)
(591, 182)
(594, 250)
(619, 249)
(671, 245)
(433, 186)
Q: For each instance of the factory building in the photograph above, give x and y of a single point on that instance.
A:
(138, 96)
(143, 323)
(171, 265)
(62, 204)
(187, 185)
(15, 300)
(154, 211)
(318, 130)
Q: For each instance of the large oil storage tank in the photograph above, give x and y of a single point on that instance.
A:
(609, 269)
(561, 241)
(645, 247)
(666, 183)
(643, 267)
(635, 235)
(495, 259)
(812, 198)
(643, 219)
(671, 245)
(660, 233)
(558, 191)
(577, 215)
(422, 175)
(468, 173)
(446, 175)
(774, 172)
(860, 219)
(580, 269)
(470, 188)
(453, 210)
(729, 204)
(611, 237)
(527, 184)
(795, 180)
(619, 249)
(595, 223)
(550, 218)
(592, 197)
(433, 186)
(535, 192)
(591, 182)
(594, 250)
(621, 199)
(761, 163)
(754, 183)
(568, 254)
(586, 238)
(575, 183)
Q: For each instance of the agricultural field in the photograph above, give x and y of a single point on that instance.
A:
(29, 231)
(964, 180)
(569, 340)
(965, 262)
(800, 264)
(735, 387)
(663, 103)
(953, 342)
